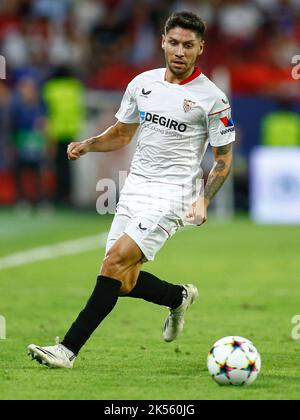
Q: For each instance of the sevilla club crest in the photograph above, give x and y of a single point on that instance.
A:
(188, 105)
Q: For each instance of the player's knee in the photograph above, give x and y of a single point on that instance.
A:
(114, 265)
(117, 266)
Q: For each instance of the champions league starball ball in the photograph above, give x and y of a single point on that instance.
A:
(234, 361)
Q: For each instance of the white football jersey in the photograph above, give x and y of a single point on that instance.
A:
(177, 122)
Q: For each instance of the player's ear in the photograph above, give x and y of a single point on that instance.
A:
(201, 47)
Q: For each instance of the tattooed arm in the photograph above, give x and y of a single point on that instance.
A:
(220, 171)
(114, 138)
(218, 175)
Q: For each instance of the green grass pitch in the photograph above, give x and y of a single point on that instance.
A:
(248, 277)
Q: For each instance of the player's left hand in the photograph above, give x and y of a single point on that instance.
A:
(197, 215)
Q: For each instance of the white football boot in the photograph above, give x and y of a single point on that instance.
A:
(175, 322)
(54, 357)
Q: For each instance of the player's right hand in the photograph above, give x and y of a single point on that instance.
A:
(76, 150)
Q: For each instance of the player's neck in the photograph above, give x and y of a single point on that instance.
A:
(172, 78)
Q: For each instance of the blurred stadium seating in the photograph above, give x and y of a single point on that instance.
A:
(102, 45)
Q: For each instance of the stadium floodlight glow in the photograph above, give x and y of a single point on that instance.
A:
(275, 194)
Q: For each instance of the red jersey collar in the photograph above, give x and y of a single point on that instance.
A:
(196, 73)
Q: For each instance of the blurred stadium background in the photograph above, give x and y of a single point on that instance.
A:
(68, 63)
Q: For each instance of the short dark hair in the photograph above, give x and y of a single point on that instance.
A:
(186, 20)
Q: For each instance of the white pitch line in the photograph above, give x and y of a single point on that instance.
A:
(51, 252)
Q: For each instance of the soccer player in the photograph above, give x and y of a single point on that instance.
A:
(176, 112)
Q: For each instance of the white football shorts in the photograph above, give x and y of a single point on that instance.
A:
(149, 228)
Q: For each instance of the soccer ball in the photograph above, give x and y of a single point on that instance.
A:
(234, 361)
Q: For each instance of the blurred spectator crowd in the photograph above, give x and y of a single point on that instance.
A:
(108, 41)
(53, 48)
